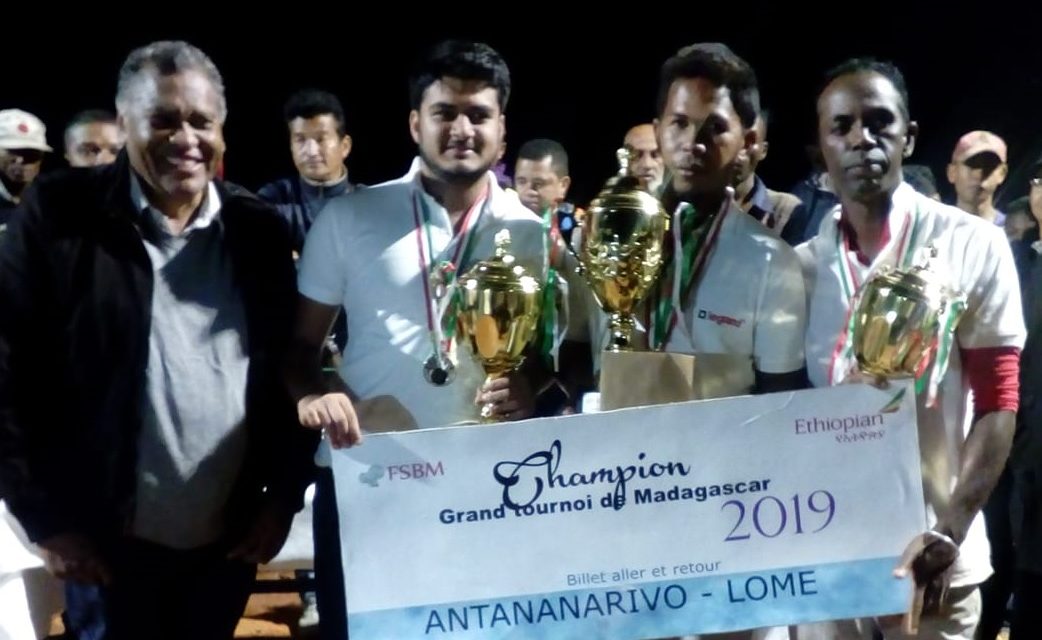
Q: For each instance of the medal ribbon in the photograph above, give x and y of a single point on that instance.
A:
(693, 255)
(553, 330)
(447, 270)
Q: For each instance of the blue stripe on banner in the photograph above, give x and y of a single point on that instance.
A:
(656, 609)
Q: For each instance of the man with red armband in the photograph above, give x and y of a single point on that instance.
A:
(865, 132)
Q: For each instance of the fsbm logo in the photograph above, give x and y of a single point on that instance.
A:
(414, 471)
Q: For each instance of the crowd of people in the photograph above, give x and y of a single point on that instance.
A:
(179, 354)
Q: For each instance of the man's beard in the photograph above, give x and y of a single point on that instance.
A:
(456, 176)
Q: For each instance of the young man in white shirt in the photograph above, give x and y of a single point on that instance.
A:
(742, 291)
(865, 132)
(376, 252)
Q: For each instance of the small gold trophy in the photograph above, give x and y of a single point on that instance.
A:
(620, 252)
(499, 309)
(903, 317)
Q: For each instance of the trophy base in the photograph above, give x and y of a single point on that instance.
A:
(644, 378)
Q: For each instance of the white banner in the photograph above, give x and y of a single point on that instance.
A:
(640, 523)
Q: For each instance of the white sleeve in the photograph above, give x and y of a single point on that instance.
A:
(993, 315)
(781, 319)
(322, 271)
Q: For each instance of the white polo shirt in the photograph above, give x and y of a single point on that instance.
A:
(749, 301)
(976, 257)
(362, 254)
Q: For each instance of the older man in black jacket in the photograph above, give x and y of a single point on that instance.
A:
(146, 443)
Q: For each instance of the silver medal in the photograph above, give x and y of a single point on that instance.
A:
(439, 370)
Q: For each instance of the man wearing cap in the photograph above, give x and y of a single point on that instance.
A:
(23, 141)
(977, 169)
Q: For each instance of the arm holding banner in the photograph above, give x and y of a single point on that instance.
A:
(317, 406)
(984, 457)
(990, 337)
(930, 555)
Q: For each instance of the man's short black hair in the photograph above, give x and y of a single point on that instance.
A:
(871, 65)
(465, 61)
(540, 148)
(90, 116)
(716, 63)
(309, 103)
(921, 178)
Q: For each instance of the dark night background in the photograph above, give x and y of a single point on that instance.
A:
(582, 80)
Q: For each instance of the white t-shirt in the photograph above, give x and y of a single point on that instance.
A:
(749, 300)
(362, 253)
(976, 257)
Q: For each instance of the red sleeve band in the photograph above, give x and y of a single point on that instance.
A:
(994, 376)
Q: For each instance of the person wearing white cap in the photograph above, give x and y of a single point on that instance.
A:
(23, 141)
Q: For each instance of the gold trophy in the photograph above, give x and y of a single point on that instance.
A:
(620, 251)
(899, 317)
(500, 305)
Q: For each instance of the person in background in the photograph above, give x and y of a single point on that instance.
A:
(92, 138)
(922, 180)
(645, 159)
(23, 143)
(978, 168)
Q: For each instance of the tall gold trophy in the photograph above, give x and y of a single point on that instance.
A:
(900, 316)
(620, 251)
(499, 311)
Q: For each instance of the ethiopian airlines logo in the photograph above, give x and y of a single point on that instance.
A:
(895, 403)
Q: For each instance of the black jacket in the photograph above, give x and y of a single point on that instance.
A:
(299, 202)
(75, 312)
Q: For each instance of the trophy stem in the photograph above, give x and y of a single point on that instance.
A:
(622, 328)
(488, 409)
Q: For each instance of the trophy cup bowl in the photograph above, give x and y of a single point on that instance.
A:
(897, 321)
(620, 252)
(500, 305)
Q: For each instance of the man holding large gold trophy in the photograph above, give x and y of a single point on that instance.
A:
(407, 260)
(903, 286)
(697, 274)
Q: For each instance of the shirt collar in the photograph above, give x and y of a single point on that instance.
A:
(203, 217)
(903, 200)
(326, 185)
(758, 199)
(496, 194)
